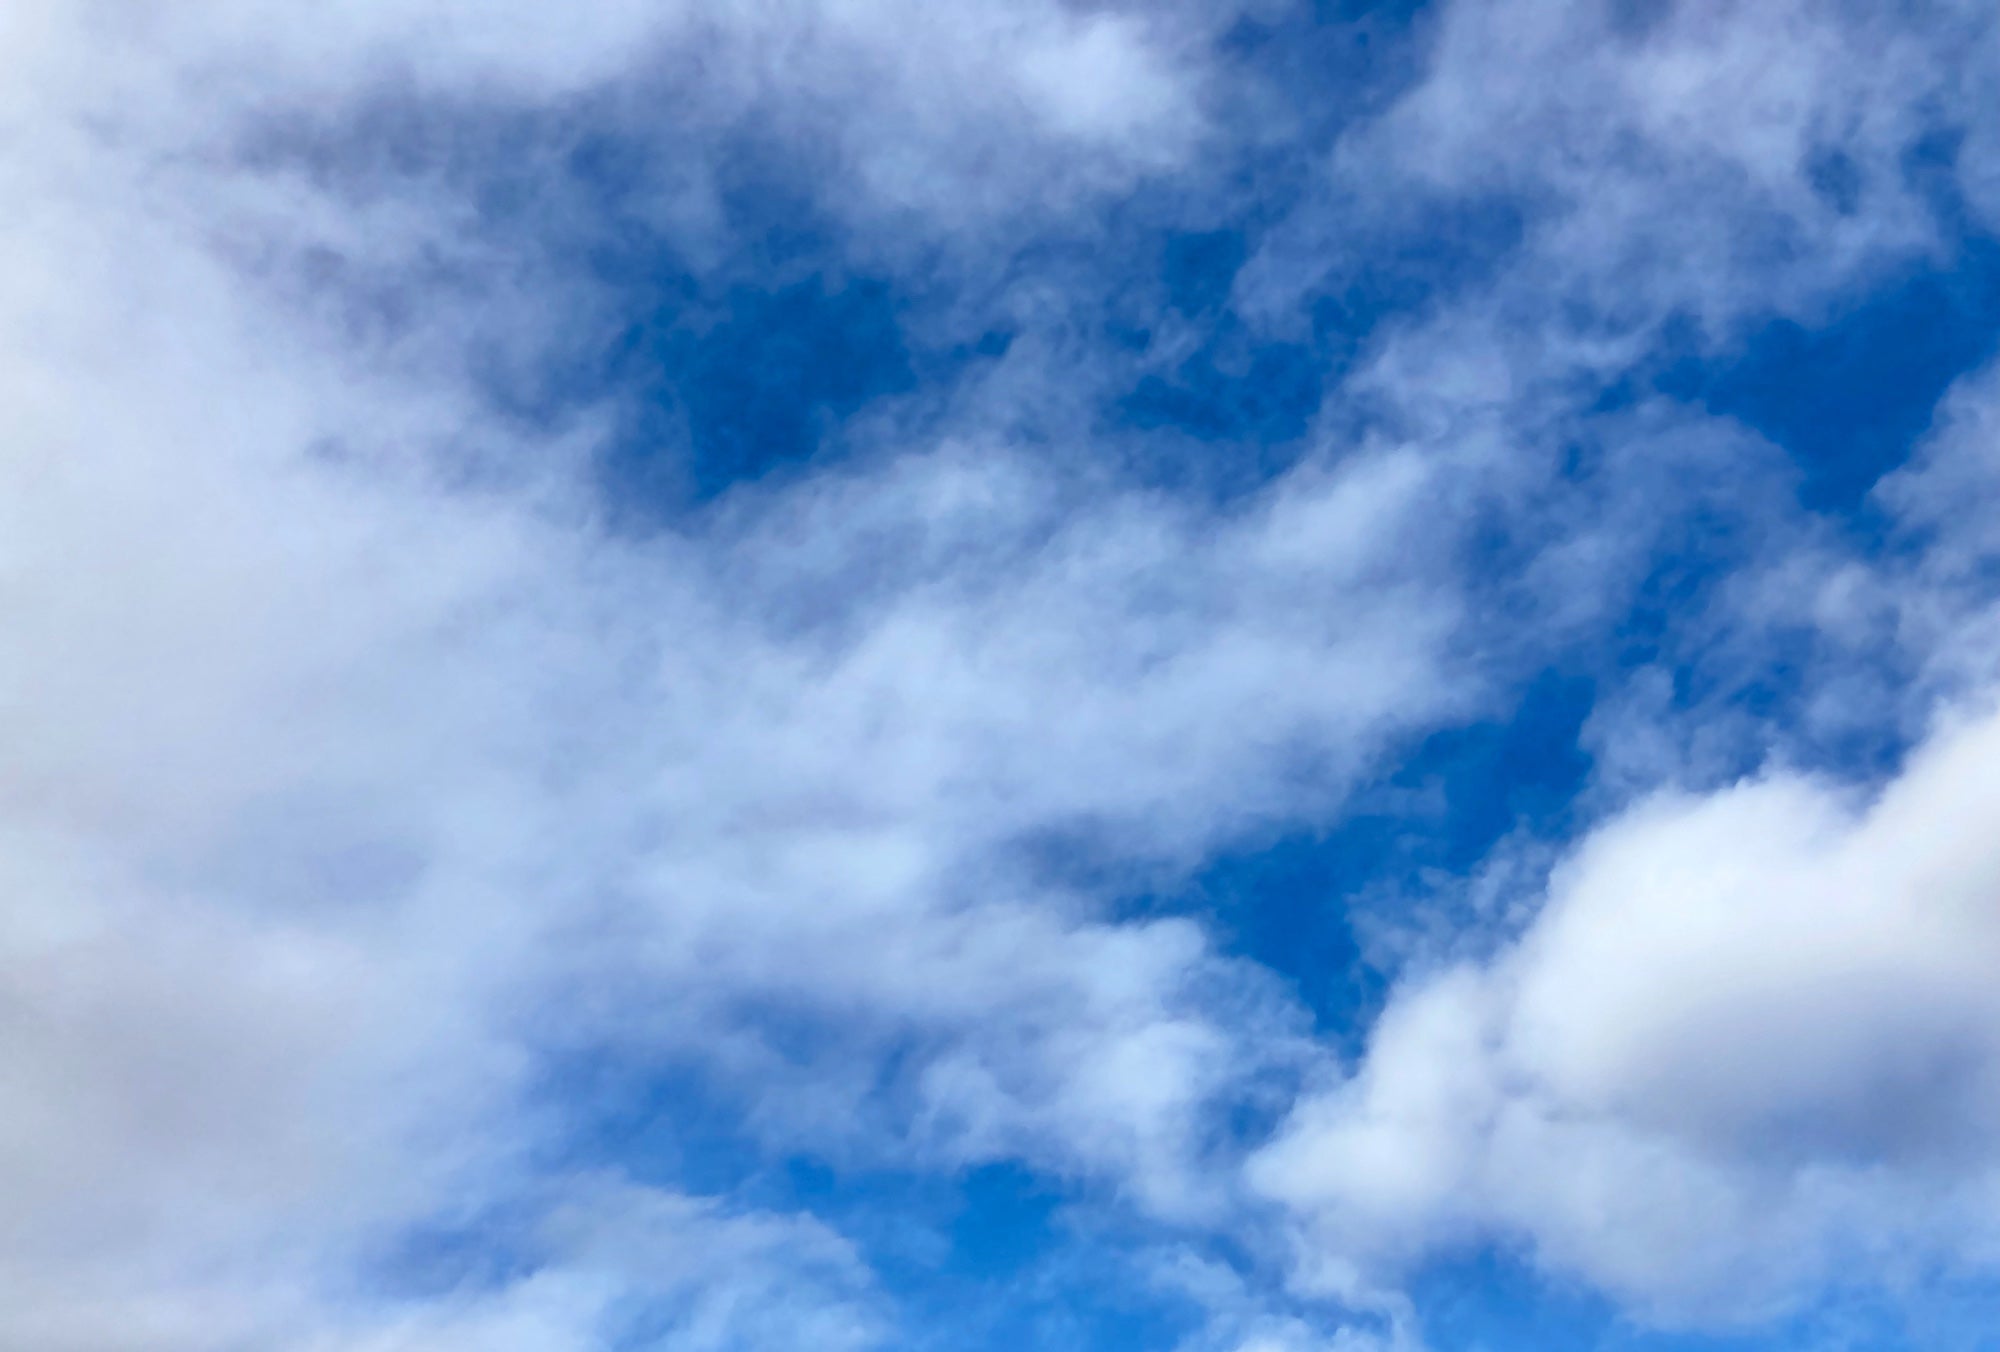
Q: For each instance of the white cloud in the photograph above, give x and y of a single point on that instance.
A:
(1752, 1036)
(1700, 160)
(355, 768)
(890, 113)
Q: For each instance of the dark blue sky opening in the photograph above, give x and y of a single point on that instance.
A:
(1849, 399)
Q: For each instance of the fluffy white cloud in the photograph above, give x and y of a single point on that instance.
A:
(1749, 1037)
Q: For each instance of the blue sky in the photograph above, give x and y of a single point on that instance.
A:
(1258, 676)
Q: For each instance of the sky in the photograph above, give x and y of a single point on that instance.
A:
(877, 676)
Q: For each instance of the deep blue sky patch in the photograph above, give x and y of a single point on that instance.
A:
(1849, 399)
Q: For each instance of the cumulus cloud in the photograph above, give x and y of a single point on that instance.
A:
(1736, 1052)
(1750, 1037)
